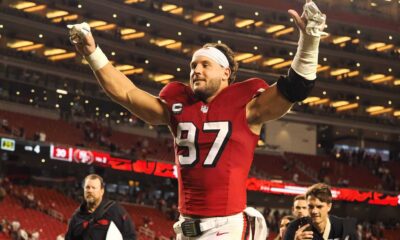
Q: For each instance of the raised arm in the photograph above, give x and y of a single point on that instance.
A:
(277, 100)
(116, 85)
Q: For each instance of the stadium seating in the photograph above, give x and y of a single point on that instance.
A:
(358, 176)
(275, 167)
(307, 166)
(31, 220)
(394, 169)
(69, 134)
(3, 236)
(160, 224)
(391, 234)
(54, 200)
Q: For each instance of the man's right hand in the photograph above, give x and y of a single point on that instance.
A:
(82, 38)
(302, 233)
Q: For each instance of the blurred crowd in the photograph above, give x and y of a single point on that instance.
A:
(375, 164)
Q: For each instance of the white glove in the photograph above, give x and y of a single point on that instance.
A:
(78, 35)
(306, 59)
(315, 20)
(78, 31)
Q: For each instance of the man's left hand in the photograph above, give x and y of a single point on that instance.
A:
(312, 20)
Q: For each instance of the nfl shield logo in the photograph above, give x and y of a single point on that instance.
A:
(204, 109)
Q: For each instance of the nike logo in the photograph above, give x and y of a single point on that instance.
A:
(219, 234)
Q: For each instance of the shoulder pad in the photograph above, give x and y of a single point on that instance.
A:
(176, 92)
(241, 93)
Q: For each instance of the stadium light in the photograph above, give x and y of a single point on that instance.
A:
(62, 91)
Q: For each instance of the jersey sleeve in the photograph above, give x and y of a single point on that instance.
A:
(175, 95)
(175, 92)
(243, 92)
(256, 87)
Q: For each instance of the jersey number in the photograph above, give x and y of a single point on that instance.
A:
(187, 137)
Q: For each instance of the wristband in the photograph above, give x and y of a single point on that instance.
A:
(97, 59)
(305, 61)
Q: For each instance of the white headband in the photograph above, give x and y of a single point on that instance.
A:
(214, 54)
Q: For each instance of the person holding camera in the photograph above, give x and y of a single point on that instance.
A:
(320, 225)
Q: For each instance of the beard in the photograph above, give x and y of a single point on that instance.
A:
(207, 91)
(202, 95)
(91, 200)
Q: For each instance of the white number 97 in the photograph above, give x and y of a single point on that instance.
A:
(190, 141)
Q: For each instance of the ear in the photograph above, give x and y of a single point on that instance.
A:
(227, 74)
(329, 207)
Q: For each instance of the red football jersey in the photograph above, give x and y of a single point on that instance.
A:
(214, 147)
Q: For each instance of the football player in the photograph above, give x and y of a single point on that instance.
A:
(215, 123)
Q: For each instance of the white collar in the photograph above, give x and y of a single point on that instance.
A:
(327, 229)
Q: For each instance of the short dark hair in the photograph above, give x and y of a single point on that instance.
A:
(321, 191)
(93, 177)
(230, 55)
(299, 197)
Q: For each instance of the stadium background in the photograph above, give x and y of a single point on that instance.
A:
(57, 125)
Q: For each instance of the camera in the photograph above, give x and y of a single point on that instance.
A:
(305, 221)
